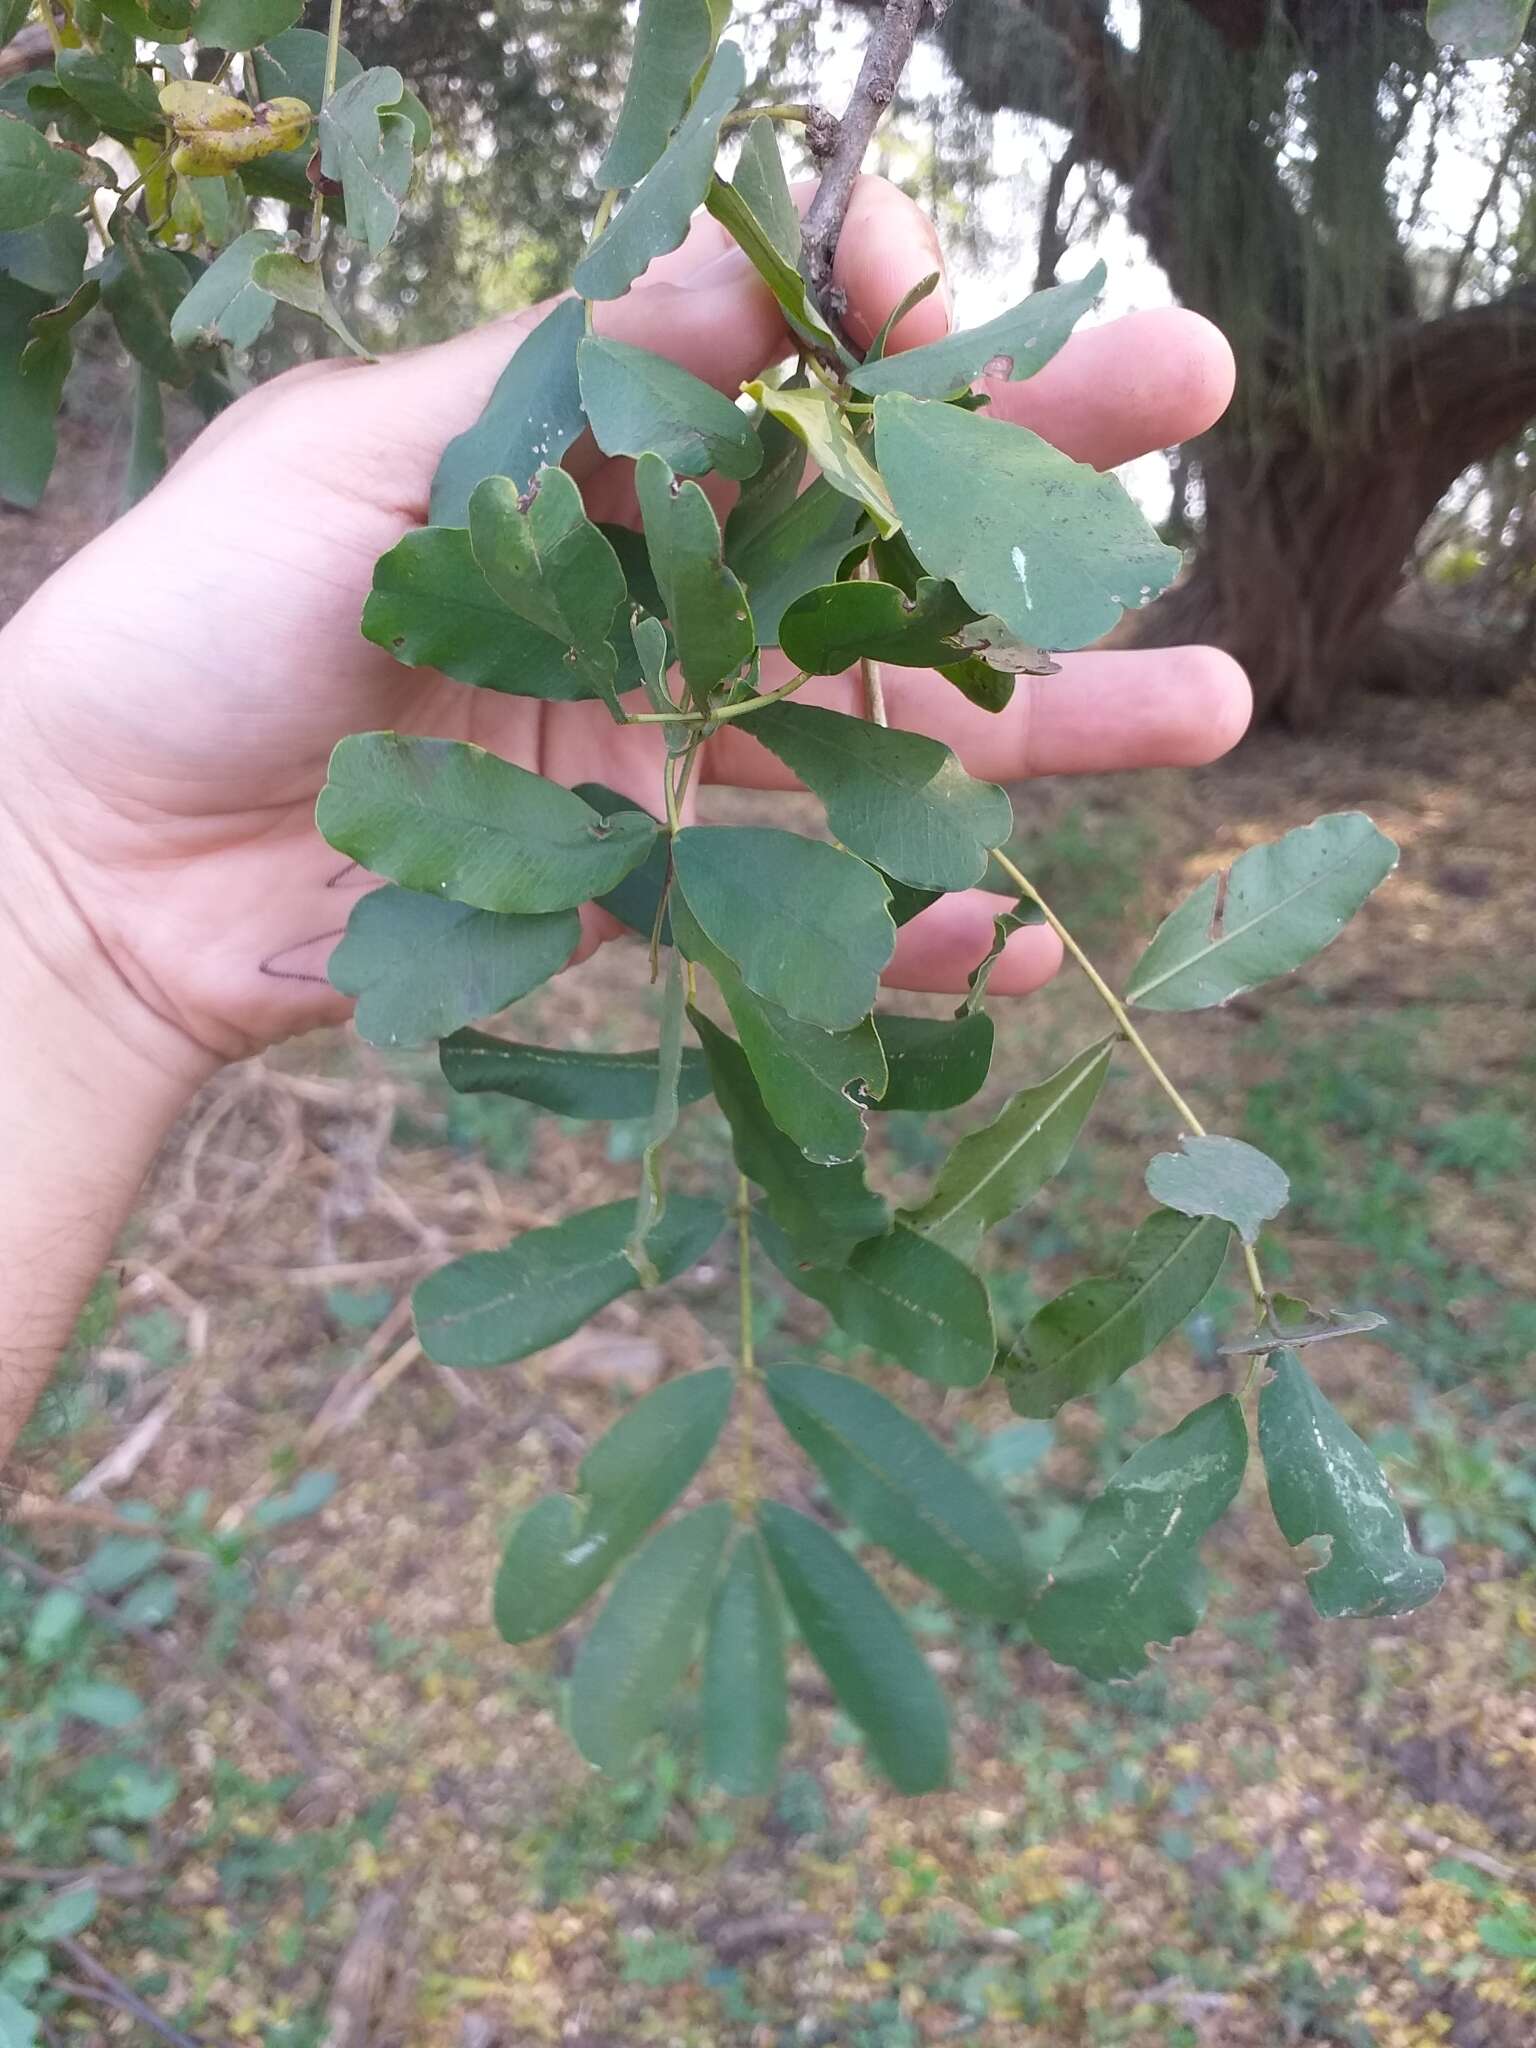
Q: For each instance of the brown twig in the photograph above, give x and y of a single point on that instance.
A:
(885, 58)
(113, 1991)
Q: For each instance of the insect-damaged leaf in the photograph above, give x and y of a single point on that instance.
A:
(1048, 545)
(1085, 1339)
(367, 144)
(1323, 1482)
(673, 39)
(646, 1637)
(705, 605)
(1479, 28)
(613, 1086)
(492, 1308)
(897, 799)
(226, 304)
(804, 924)
(529, 420)
(904, 1490)
(904, 1296)
(830, 627)
(562, 1549)
(996, 1170)
(1272, 910)
(1132, 1576)
(744, 1701)
(934, 1062)
(639, 402)
(421, 966)
(1220, 1177)
(1016, 344)
(445, 817)
(654, 219)
(862, 1644)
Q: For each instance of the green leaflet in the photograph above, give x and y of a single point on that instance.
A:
(451, 819)
(814, 1083)
(141, 287)
(639, 402)
(815, 417)
(1048, 545)
(905, 1297)
(147, 455)
(242, 24)
(550, 565)
(1270, 911)
(421, 966)
(367, 143)
(759, 240)
(802, 544)
(616, 1086)
(771, 490)
(29, 399)
(673, 39)
(49, 258)
(302, 286)
(122, 98)
(1220, 1177)
(492, 1308)
(705, 605)
(897, 799)
(904, 1490)
(651, 1202)
(760, 183)
(1004, 925)
(823, 1210)
(744, 1702)
(862, 1644)
(804, 924)
(993, 1172)
(934, 1062)
(1016, 344)
(1323, 1482)
(646, 1637)
(1480, 28)
(562, 1550)
(226, 305)
(528, 422)
(636, 899)
(654, 219)
(1131, 1576)
(1082, 1342)
(829, 628)
(292, 65)
(432, 608)
(37, 180)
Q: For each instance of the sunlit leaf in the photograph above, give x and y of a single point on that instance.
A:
(612, 1086)
(528, 422)
(744, 1703)
(820, 423)
(1085, 1339)
(451, 819)
(492, 1308)
(1132, 1575)
(1016, 344)
(705, 605)
(1324, 1483)
(366, 143)
(993, 1172)
(673, 39)
(637, 402)
(1051, 547)
(225, 304)
(1220, 1177)
(302, 286)
(862, 1644)
(646, 1637)
(1274, 908)
(934, 1062)
(904, 1490)
(562, 1550)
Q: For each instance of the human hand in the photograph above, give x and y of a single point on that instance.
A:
(171, 697)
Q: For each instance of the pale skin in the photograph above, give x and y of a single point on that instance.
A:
(168, 702)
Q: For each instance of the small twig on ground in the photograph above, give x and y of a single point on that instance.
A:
(43, 1507)
(1478, 1859)
(360, 1981)
(113, 1991)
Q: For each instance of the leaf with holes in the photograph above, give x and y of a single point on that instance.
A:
(1083, 1341)
(993, 1172)
(1053, 549)
(493, 1308)
(745, 1695)
(612, 1086)
(528, 422)
(367, 145)
(904, 1490)
(705, 605)
(673, 39)
(563, 1549)
(639, 402)
(1016, 344)
(1324, 1483)
(934, 1062)
(1274, 908)
(1220, 1177)
(1131, 1576)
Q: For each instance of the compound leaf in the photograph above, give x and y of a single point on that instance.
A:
(1131, 1576)
(528, 422)
(421, 966)
(897, 799)
(639, 402)
(1049, 546)
(493, 1308)
(1082, 1342)
(1016, 344)
(654, 219)
(934, 1062)
(1323, 1482)
(1220, 1177)
(705, 605)
(646, 1637)
(993, 1172)
(904, 1490)
(1274, 908)
(745, 1709)
(561, 1551)
(673, 39)
(615, 1086)
(448, 818)
(863, 1646)
(226, 304)
(804, 924)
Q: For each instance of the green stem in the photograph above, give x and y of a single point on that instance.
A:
(1134, 1039)
(332, 64)
(746, 1471)
(780, 110)
(600, 220)
(726, 713)
(46, 11)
